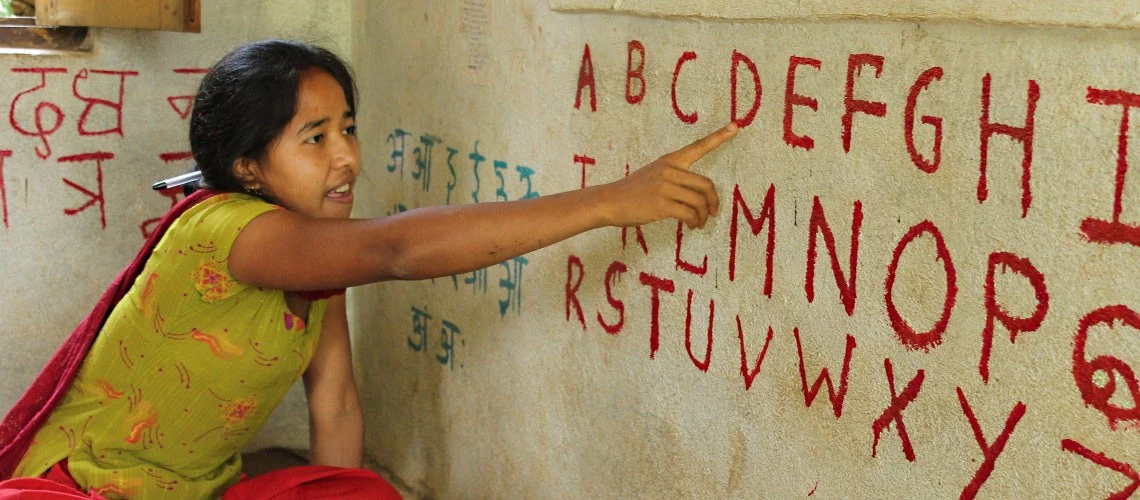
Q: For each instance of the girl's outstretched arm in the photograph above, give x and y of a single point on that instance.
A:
(284, 250)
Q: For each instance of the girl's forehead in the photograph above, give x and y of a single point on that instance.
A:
(318, 88)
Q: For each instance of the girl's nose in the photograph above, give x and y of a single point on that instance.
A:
(346, 153)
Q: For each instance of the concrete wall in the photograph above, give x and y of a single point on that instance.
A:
(55, 264)
(507, 383)
(541, 377)
(1106, 14)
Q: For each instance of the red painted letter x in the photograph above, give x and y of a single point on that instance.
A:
(894, 411)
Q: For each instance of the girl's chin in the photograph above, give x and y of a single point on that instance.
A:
(338, 211)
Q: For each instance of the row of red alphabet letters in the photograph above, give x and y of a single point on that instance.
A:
(1113, 230)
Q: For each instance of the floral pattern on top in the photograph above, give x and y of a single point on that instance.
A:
(221, 347)
(186, 369)
(236, 411)
(212, 282)
(293, 322)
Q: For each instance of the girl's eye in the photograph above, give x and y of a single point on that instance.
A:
(351, 130)
(316, 139)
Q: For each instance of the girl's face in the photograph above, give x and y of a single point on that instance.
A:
(312, 166)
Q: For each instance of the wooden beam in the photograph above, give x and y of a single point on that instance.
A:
(166, 15)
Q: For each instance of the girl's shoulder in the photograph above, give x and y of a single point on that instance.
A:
(226, 210)
(225, 204)
(196, 248)
(217, 220)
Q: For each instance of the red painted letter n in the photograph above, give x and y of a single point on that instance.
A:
(819, 226)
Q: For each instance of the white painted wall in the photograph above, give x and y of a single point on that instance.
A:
(1104, 14)
(57, 265)
(538, 406)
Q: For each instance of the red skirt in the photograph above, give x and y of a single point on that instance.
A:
(302, 482)
(55, 484)
(313, 481)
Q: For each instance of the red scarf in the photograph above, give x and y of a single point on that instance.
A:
(33, 408)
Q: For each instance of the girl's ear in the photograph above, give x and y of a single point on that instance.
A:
(248, 172)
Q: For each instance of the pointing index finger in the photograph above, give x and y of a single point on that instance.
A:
(702, 146)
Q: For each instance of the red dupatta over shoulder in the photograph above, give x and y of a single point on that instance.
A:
(32, 409)
(29, 413)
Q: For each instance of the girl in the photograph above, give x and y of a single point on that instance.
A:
(241, 292)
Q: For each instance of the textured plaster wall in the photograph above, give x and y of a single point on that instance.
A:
(55, 265)
(507, 383)
(1103, 14)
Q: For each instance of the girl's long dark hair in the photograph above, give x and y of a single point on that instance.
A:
(247, 98)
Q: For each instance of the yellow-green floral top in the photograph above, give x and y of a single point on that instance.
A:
(186, 370)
